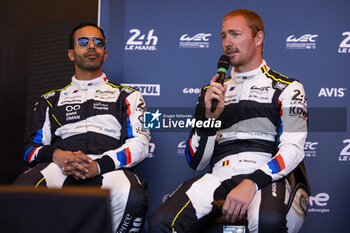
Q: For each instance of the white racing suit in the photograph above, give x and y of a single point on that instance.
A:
(261, 138)
(104, 121)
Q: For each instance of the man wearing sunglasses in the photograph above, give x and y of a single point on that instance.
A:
(90, 133)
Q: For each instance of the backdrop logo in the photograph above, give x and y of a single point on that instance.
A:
(319, 203)
(152, 147)
(200, 40)
(191, 90)
(141, 42)
(176, 121)
(332, 92)
(345, 152)
(307, 41)
(181, 148)
(344, 46)
(152, 120)
(310, 149)
(145, 89)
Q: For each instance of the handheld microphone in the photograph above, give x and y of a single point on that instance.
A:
(223, 64)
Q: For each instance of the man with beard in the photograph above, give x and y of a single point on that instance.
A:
(90, 133)
(260, 141)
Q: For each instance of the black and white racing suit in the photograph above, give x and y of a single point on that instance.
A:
(262, 136)
(104, 121)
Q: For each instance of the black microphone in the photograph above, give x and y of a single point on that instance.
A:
(223, 64)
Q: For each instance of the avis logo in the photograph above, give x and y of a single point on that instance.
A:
(141, 42)
(318, 203)
(200, 40)
(344, 46)
(345, 152)
(332, 92)
(307, 41)
(310, 149)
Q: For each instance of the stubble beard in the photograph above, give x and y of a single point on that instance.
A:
(88, 64)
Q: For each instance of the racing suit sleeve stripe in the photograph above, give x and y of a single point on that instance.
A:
(203, 150)
(39, 137)
(189, 151)
(187, 154)
(200, 145)
(129, 126)
(292, 137)
(124, 157)
(29, 153)
(135, 138)
(37, 145)
(190, 147)
(276, 164)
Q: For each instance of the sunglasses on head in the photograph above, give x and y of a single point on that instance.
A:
(84, 41)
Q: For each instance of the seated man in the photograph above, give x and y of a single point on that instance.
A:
(260, 141)
(90, 133)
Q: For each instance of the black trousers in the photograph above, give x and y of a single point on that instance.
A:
(266, 213)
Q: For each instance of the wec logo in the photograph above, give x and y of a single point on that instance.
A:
(307, 41)
(310, 149)
(200, 40)
(304, 38)
(198, 37)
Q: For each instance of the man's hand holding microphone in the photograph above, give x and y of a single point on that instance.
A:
(214, 98)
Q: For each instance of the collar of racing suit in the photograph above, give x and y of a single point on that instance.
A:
(86, 84)
(241, 77)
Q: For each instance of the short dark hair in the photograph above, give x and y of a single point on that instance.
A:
(71, 35)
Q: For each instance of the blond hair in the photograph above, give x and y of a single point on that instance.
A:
(253, 20)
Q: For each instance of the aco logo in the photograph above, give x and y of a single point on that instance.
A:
(344, 46)
(139, 41)
(345, 152)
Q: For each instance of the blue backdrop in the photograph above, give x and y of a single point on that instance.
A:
(169, 50)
